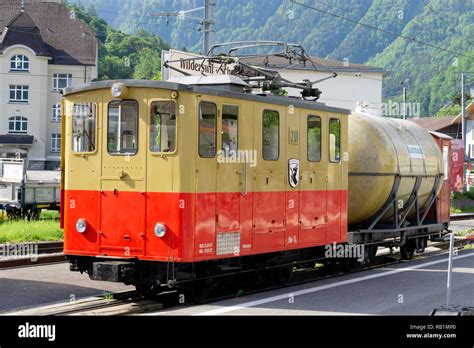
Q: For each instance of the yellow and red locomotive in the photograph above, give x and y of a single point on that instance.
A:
(168, 182)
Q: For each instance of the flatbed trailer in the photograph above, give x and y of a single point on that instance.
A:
(23, 193)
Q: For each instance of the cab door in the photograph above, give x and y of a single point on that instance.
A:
(230, 179)
(205, 183)
(122, 230)
(270, 178)
(314, 177)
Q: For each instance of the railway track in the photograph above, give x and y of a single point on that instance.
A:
(31, 254)
(462, 216)
(130, 303)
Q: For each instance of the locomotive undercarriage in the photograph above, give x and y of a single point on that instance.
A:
(151, 278)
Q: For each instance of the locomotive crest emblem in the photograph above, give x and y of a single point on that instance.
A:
(294, 172)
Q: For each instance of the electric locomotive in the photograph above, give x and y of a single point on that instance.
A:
(171, 183)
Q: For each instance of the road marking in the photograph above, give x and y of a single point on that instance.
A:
(322, 287)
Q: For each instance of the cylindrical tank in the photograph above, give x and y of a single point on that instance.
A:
(382, 151)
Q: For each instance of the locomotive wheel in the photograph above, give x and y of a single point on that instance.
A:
(201, 289)
(407, 250)
(283, 275)
(351, 265)
(147, 291)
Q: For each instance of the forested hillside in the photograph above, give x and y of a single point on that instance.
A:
(123, 55)
(437, 42)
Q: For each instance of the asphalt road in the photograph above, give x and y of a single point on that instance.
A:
(39, 285)
(405, 291)
(462, 225)
(409, 288)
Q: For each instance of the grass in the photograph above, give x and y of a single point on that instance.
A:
(459, 211)
(34, 231)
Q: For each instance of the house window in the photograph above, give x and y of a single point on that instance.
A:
(19, 62)
(17, 124)
(61, 81)
(55, 142)
(19, 93)
(56, 113)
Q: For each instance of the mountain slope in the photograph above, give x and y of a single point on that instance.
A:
(445, 24)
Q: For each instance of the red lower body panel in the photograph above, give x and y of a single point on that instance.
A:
(121, 224)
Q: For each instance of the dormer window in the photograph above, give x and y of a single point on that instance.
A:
(20, 62)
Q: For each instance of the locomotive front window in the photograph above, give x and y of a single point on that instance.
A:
(83, 127)
(271, 135)
(122, 133)
(163, 126)
(207, 129)
(335, 140)
(314, 138)
(230, 130)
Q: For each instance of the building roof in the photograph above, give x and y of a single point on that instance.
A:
(321, 64)
(435, 123)
(439, 122)
(16, 139)
(23, 31)
(63, 37)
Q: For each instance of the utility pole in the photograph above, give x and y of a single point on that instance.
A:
(404, 103)
(208, 23)
(404, 95)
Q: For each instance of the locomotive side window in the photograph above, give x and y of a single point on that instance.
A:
(230, 130)
(335, 140)
(207, 129)
(271, 135)
(84, 127)
(163, 126)
(314, 138)
(122, 133)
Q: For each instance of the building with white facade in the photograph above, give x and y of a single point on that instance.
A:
(354, 85)
(43, 48)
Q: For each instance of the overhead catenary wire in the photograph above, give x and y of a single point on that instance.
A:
(412, 39)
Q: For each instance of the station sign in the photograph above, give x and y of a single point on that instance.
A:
(191, 64)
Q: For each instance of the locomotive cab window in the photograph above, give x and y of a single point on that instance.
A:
(271, 135)
(84, 127)
(163, 126)
(207, 129)
(314, 138)
(122, 132)
(335, 140)
(230, 130)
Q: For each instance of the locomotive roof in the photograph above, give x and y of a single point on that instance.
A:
(208, 90)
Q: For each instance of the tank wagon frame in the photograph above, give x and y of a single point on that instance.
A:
(166, 212)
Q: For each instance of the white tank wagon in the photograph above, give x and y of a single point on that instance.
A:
(396, 171)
